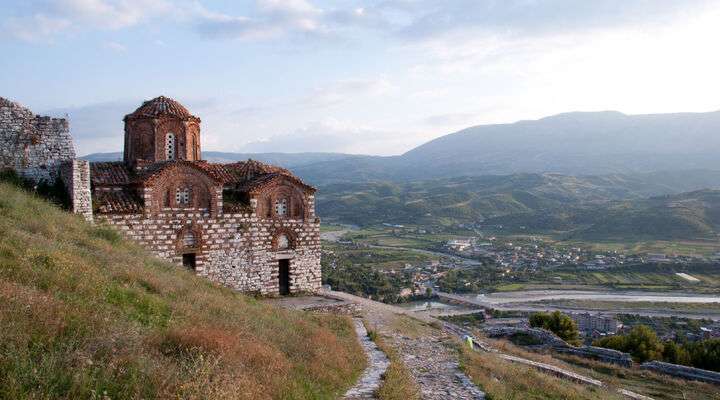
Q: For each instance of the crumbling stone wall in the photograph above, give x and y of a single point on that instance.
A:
(236, 250)
(76, 177)
(32, 145)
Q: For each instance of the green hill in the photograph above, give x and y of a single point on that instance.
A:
(589, 207)
(519, 199)
(85, 314)
(693, 215)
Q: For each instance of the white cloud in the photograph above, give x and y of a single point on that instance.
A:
(34, 27)
(115, 46)
(275, 18)
(57, 16)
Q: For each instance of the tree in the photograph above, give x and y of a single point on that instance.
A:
(675, 354)
(642, 343)
(558, 323)
(705, 354)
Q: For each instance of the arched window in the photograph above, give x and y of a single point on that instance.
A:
(170, 146)
(281, 207)
(182, 197)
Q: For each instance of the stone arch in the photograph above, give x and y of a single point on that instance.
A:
(189, 238)
(283, 239)
(183, 186)
(282, 202)
(142, 141)
(193, 141)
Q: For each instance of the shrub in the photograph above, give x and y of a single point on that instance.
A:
(558, 323)
(642, 343)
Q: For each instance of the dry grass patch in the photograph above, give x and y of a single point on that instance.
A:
(411, 327)
(503, 380)
(86, 314)
(657, 386)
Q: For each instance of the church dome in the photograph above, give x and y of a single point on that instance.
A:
(159, 107)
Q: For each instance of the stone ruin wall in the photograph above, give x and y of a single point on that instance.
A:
(76, 177)
(34, 146)
(235, 250)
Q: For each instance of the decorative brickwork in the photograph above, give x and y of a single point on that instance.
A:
(243, 225)
(161, 129)
(33, 145)
(233, 249)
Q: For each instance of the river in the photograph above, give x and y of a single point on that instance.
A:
(500, 298)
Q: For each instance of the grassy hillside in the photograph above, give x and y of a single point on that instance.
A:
(686, 215)
(85, 314)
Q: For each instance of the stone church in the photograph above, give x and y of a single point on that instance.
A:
(248, 225)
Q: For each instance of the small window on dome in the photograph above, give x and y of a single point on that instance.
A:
(182, 196)
(281, 207)
(170, 146)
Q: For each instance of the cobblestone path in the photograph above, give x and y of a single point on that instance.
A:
(427, 354)
(378, 363)
(435, 368)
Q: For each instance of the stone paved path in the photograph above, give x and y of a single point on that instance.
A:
(431, 362)
(378, 363)
(435, 369)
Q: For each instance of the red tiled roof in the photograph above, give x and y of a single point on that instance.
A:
(253, 175)
(214, 171)
(247, 170)
(110, 173)
(114, 183)
(116, 202)
(262, 181)
(161, 106)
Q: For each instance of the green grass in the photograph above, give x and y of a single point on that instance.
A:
(85, 314)
(700, 247)
(510, 287)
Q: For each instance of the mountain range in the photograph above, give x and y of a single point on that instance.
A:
(577, 143)
(591, 175)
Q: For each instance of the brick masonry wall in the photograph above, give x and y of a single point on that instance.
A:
(76, 177)
(33, 145)
(235, 250)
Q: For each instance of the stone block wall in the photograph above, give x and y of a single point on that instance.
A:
(76, 176)
(235, 250)
(682, 371)
(33, 145)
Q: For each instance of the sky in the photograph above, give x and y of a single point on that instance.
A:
(354, 76)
